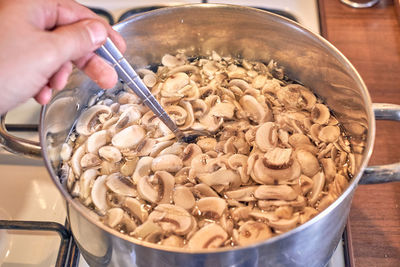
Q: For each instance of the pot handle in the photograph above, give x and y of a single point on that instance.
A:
(17, 145)
(383, 173)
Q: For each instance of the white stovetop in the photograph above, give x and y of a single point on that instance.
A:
(26, 190)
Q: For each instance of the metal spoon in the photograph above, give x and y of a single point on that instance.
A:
(126, 73)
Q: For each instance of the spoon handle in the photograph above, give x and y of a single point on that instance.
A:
(126, 73)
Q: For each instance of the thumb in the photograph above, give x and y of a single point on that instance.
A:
(77, 40)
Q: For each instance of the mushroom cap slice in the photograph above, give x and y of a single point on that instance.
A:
(114, 217)
(223, 109)
(308, 162)
(251, 232)
(254, 110)
(121, 185)
(202, 190)
(183, 197)
(207, 144)
(329, 134)
(172, 219)
(143, 168)
(136, 208)
(242, 194)
(264, 174)
(226, 178)
(318, 185)
(128, 137)
(212, 207)
(76, 160)
(167, 162)
(189, 153)
(90, 160)
(209, 236)
(148, 231)
(320, 114)
(157, 188)
(282, 192)
(173, 241)
(99, 192)
(86, 180)
(266, 136)
(110, 153)
(89, 121)
(284, 225)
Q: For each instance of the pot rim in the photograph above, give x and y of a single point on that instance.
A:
(352, 185)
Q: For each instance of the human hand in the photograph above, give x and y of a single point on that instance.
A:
(40, 42)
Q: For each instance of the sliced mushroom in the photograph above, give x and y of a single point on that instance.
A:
(238, 162)
(254, 110)
(157, 188)
(136, 209)
(209, 236)
(278, 158)
(318, 185)
(114, 217)
(320, 114)
(282, 192)
(329, 168)
(172, 219)
(66, 152)
(240, 213)
(90, 160)
(243, 193)
(175, 149)
(329, 134)
(173, 241)
(223, 109)
(284, 225)
(110, 153)
(177, 114)
(264, 173)
(212, 207)
(98, 194)
(226, 178)
(76, 160)
(202, 190)
(284, 212)
(267, 136)
(252, 232)
(86, 181)
(174, 83)
(183, 197)
(308, 162)
(299, 203)
(148, 231)
(307, 213)
(207, 144)
(128, 137)
(143, 168)
(121, 185)
(89, 121)
(306, 184)
(191, 151)
(171, 61)
(167, 162)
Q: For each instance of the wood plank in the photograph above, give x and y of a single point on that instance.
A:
(370, 39)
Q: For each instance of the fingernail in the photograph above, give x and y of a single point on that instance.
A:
(97, 32)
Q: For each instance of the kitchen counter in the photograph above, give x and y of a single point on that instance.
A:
(370, 39)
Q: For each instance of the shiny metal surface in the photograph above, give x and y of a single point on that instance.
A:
(359, 4)
(18, 145)
(238, 32)
(125, 72)
(384, 173)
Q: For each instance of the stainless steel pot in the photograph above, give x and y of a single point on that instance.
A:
(239, 32)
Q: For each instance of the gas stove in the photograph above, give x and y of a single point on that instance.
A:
(26, 190)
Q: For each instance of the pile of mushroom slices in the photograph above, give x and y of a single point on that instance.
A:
(278, 156)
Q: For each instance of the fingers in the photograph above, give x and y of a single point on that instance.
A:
(60, 78)
(76, 40)
(100, 72)
(44, 95)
